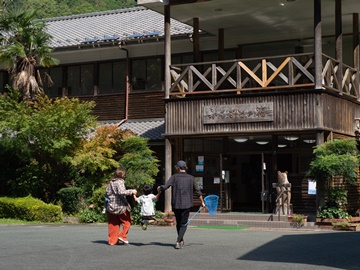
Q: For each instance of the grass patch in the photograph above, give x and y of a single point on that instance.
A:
(224, 227)
(11, 221)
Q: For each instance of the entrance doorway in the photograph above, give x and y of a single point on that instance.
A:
(246, 185)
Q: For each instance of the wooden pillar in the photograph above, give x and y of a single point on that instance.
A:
(356, 51)
(221, 41)
(338, 42)
(167, 51)
(318, 45)
(168, 163)
(168, 149)
(320, 184)
(196, 39)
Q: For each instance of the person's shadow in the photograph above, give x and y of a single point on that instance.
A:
(138, 244)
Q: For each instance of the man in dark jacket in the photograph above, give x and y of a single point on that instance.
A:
(183, 187)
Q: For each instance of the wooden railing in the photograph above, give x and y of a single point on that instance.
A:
(253, 74)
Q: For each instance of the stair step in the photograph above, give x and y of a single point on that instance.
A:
(246, 219)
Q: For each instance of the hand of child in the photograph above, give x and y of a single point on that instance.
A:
(134, 191)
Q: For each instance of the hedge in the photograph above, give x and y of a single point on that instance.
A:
(30, 209)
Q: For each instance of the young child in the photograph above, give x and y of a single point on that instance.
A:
(106, 202)
(147, 205)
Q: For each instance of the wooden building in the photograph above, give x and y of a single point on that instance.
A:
(239, 89)
(268, 82)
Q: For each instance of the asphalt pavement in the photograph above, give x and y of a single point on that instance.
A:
(58, 247)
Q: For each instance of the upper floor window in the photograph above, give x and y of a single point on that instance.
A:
(52, 81)
(80, 80)
(112, 77)
(4, 80)
(146, 74)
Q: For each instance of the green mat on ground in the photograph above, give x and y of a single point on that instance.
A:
(223, 227)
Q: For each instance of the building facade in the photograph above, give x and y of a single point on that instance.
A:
(238, 89)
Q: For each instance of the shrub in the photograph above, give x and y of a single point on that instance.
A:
(30, 209)
(90, 216)
(70, 199)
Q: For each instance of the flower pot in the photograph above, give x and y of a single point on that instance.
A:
(352, 228)
(170, 223)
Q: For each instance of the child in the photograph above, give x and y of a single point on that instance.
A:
(106, 202)
(147, 205)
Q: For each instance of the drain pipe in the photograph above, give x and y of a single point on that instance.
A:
(127, 86)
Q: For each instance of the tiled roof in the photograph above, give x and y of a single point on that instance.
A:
(152, 129)
(126, 25)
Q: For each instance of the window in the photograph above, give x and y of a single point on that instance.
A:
(146, 74)
(52, 81)
(80, 80)
(112, 77)
(4, 80)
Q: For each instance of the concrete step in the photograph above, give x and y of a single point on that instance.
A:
(247, 219)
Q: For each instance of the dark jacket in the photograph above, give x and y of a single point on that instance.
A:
(183, 187)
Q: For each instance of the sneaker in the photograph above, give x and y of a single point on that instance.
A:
(123, 241)
(182, 243)
(177, 246)
(145, 224)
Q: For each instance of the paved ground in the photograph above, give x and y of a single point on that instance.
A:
(85, 247)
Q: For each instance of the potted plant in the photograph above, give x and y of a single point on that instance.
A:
(167, 219)
(297, 220)
(344, 225)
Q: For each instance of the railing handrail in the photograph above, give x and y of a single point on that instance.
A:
(237, 60)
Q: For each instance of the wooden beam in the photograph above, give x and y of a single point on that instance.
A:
(317, 45)
(221, 38)
(196, 40)
(167, 50)
(356, 53)
(338, 42)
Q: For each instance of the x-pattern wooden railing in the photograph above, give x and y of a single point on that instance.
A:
(348, 81)
(278, 72)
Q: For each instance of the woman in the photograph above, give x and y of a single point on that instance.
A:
(118, 208)
(183, 185)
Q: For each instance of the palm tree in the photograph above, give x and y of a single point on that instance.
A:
(24, 45)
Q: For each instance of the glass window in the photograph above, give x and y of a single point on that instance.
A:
(119, 76)
(105, 78)
(73, 80)
(87, 79)
(3, 81)
(146, 74)
(52, 81)
(154, 73)
(112, 77)
(80, 80)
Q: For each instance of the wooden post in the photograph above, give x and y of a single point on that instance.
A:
(168, 150)
(320, 187)
(167, 51)
(318, 45)
(356, 52)
(168, 162)
(196, 39)
(221, 39)
(338, 43)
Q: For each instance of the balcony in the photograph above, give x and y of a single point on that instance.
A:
(275, 73)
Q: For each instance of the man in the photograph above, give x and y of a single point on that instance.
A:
(183, 187)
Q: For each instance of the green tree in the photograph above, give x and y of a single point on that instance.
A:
(56, 8)
(138, 161)
(98, 157)
(42, 137)
(24, 45)
(334, 158)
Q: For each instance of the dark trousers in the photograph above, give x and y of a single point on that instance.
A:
(182, 216)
